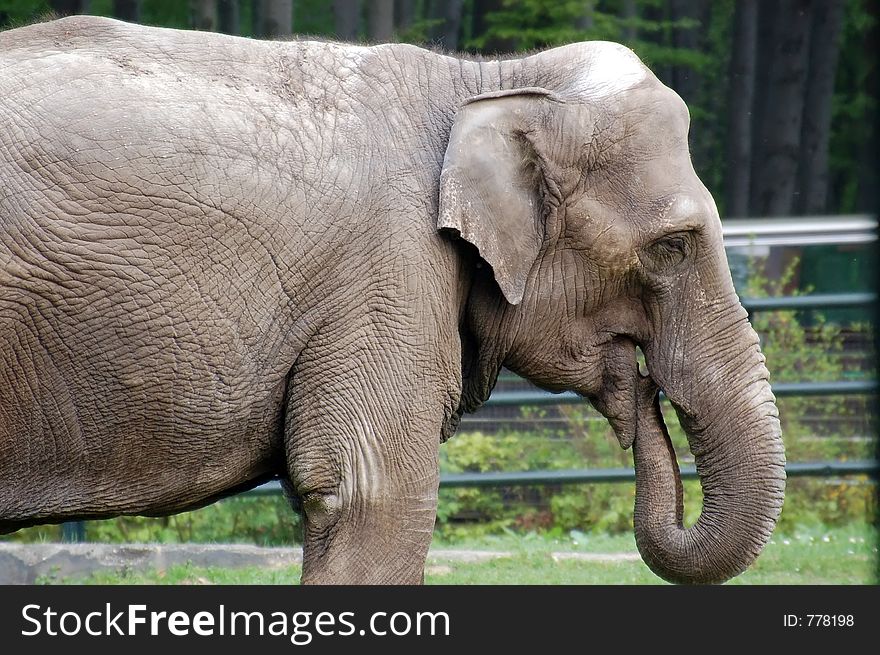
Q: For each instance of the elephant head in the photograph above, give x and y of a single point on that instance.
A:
(579, 193)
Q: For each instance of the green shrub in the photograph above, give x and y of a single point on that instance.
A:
(264, 521)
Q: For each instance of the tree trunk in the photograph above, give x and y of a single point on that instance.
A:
(766, 17)
(685, 80)
(69, 7)
(380, 20)
(346, 19)
(629, 13)
(203, 15)
(129, 10)
(493, 44)
(453, 24)
(688, 82)
(785, 57)
(585, 20)
(656, 14)
(816, 128)
(276, 18)
(741, 94)
(228, 17)
(448, 14)
(404, 14)
(868, 193)
(256, 18)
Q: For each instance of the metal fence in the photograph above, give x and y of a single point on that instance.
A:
(799, 231)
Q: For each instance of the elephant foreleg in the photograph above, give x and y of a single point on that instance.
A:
(362, 449)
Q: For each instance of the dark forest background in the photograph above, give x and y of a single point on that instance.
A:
(782, 93)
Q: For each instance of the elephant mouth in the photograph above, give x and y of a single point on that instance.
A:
(625, 391)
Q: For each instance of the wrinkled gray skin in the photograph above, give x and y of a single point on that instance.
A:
(223, 260)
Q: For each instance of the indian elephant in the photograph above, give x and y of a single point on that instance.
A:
(225, 260)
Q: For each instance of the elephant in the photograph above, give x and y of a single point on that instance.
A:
(226, 260)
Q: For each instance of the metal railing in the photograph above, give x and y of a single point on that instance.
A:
(826, 469)
(537, 397)
(799, 231)
(812, 301)
(589, 476)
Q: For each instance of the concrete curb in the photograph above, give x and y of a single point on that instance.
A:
(25, 563)
(601, 558)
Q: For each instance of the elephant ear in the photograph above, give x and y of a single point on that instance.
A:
(491, 187)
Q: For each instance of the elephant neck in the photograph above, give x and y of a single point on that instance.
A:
(484, 341)
(473, 77)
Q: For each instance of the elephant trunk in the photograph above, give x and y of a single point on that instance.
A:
(739, 458)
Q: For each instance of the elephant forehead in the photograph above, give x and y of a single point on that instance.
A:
(678, 211)
(596, 69)
(612, 68)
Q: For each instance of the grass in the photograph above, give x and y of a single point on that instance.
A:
(808, 556)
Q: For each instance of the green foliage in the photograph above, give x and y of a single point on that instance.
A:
(531, 24)
(551, 509)
(490, 510)
(824, 428)
(22, 12)
(184, 574)
(854, 107)
(264, 521)
(708, 109)
(800, 348)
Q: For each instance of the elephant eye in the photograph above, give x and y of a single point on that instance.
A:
(667, 252)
